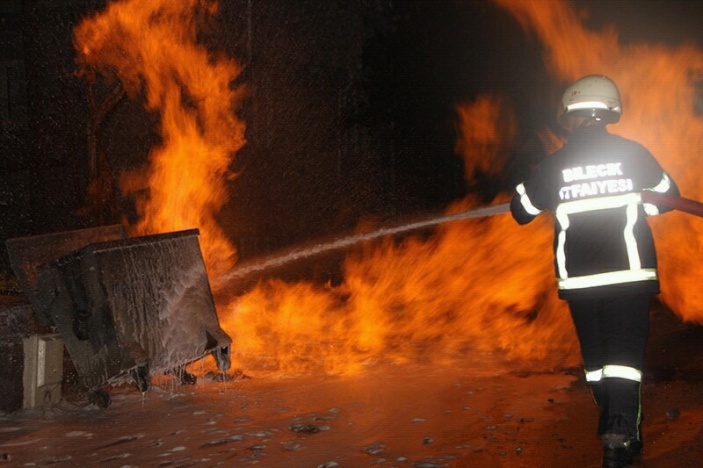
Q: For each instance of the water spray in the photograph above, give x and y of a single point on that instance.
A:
(277, 260)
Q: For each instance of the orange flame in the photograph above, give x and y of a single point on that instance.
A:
(488, 286)
(474, 287)
(486, 131)
(152, 46)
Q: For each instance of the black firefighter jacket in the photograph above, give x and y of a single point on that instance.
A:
(603, 245)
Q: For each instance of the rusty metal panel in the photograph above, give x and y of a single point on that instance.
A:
(27, 254)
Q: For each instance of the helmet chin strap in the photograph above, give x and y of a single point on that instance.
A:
(593, 121)
(573, 123)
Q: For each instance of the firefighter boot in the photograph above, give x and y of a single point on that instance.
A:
(616, 451)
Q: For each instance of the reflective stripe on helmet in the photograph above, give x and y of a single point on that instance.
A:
(610, 371)
(586, 105)
(526, 202)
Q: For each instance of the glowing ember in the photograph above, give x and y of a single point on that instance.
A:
(151, 46)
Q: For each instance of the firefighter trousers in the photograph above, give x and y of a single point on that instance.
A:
(613, 333)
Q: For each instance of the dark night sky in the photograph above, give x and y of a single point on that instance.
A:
(391, 155)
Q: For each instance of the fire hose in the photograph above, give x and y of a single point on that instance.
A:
(676, 203)
(670, 201)
(655, 198)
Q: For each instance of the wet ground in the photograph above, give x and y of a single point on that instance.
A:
(474, 413)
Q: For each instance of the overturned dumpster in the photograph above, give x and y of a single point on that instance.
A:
(127, 307)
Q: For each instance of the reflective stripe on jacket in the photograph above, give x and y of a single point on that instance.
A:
(602, 242)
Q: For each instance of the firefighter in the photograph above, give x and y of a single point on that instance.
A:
(604, 253)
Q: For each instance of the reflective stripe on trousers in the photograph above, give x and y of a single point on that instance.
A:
(623, 372)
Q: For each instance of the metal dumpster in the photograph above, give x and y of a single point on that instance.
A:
(132, 307)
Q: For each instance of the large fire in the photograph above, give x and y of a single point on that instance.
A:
(151, 47)
(473, 288)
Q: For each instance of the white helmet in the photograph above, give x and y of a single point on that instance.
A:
(594, 96)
